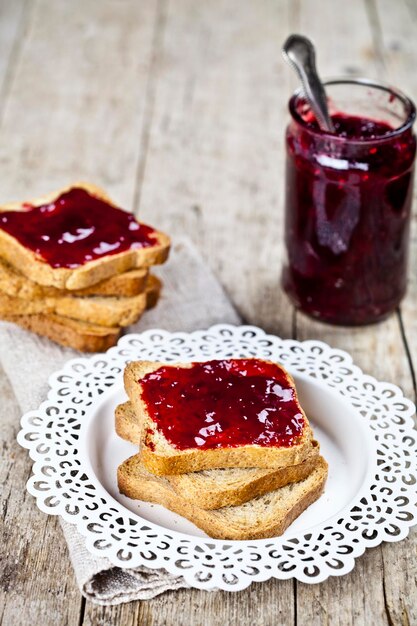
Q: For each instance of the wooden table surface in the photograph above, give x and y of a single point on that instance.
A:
(178, 108)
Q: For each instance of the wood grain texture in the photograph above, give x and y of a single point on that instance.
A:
(265, 604)
(37, 584)
(14, 20)
(215, 163)
(75, 107)
(398, 32)
(343, 38)
(31, 591)
(178, 109)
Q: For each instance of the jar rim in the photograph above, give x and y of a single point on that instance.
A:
(366, 82)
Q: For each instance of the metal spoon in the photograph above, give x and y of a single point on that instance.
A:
(299, 52)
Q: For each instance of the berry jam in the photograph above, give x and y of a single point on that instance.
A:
(75, 228)
(221, 404)
(348, 202)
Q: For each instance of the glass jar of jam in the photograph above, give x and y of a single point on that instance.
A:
(348, 203)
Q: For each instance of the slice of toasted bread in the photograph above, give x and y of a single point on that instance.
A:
(33, 266)
(161, 457)
(130, 283)
(102, 310)
(216, 488)
(74, 334)
(264, 516)
(78, 334)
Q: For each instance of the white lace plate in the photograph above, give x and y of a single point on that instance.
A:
(365, 429)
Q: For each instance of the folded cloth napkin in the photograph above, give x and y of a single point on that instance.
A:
(191, 299)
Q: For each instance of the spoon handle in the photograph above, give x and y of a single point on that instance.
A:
(299, 52)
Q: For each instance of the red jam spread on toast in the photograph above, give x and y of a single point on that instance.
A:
(226, 403)
(75, 228)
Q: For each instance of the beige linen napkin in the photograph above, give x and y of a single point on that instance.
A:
(191, 299)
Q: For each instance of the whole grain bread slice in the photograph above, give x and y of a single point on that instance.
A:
(77, 334)
(264, 516)
(216, 488)
(13, 283)
(68, 332)
(91, 272)
(102, 310)
(161, 458)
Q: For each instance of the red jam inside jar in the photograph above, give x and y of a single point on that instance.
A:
(75, 228)
(348, 205)
(225, 403)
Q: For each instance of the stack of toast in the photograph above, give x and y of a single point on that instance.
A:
(229, 482)
(83, 302)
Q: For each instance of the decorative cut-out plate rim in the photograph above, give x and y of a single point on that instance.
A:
(328, 548)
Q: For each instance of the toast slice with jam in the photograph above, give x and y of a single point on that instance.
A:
(76, 237)
(217, 414)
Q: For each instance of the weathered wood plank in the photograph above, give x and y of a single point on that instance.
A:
(264, 604)
(26, 597)
(37, 584)
(343, 38)
(356, 598)
(398, 30)
(76, 105)
(215, 163)
(14, 15)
